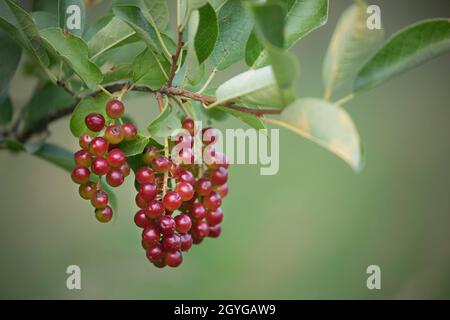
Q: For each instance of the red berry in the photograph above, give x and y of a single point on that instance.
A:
(95, 122)
(148, 191)
(145, 175)
(100, 166)
(129, 131)
(125, 168)
(140, 219)
(209, 135)
(115, 108)
(82, 158)
(214, 217)
(99, 199)
(87, 190)
(172, 200)
(104, 215)
(172, 242)
(140, 202)
(197, 211)
(167, 225)
(185, 190)
(186, 156)
(149, 154)
(154, 209)
(186, 241)
(114, 134)
(204, 186)
(80, 175)
(200, 229)
(222, 190)
(175, 170)
(150, 236)
(173, 259)
(160, 263)
(98, 146)
(214, 231)
(155, 253)
(183, 223)
(115, 177)
(219, 176)
(186, 176)
(161, 164)
(85, 141)
(196, 239)
(116, 158)
(212, 201)
(189, 125)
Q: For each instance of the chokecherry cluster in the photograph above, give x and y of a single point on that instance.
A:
(179, 200)
(100, 156)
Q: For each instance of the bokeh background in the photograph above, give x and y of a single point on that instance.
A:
(308, 232)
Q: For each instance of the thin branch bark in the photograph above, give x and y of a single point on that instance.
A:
(175, 58)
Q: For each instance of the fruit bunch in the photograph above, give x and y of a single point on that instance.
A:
(180, 199)
(100, 156)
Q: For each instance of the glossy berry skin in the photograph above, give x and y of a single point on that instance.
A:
(204, 186)
(104, 215)
(166, 225)
(115, 108)
(100, 166)
(154, 209)
(140, 219)
(129, 131)
(173, 259)
(114, 134)
(115, 177)
(214, 231)
(214, 217)
(186, 241)
(98, 146)
(209, 135)
(196, 239)
(186, 176)
(99, 199)
(155, 252)
(172, 201)
(85, 141)
(160, 264)
(145, 175)
(161, 164)
(148, 191)
(80, 175)
(185, 190)
(150, 236)
(189, 125)
(140, 202)
(125, 168)
(87, 190)
(116, 158)
(82, 158)
(94, 121)
(183, 223)
(172, 242)
(200, 229)
(219, 176)
(197, 211)
(212, 201)
(222, 190)
(149, 154)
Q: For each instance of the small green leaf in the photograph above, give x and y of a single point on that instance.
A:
(269, 22)
(56, 155)
(120, 72)
(74, 51)
(67, 13)
(135, 146)
(196, 4)
(351, 44)
(253, 49)
(256, 86)
(88, 105)
(235, 25)
(157, 9)
(405, 50)
(246, 118)
(193, 72)
(327, 125)
(44, 19)
(9, 52)
(150, 70)
(206, 36)
(6, 111)
(165, 123)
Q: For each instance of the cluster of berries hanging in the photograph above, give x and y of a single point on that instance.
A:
(180, 200)
(100, 156)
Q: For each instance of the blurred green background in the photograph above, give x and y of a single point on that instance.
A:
(308, 232)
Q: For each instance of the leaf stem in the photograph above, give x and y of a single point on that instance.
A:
(208, 81)
(345, 99)
(175, 57)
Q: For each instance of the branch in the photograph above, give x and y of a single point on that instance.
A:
(175, 57)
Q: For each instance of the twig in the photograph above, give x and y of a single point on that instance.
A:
(175, 57)
(64, 85)
(345, 99)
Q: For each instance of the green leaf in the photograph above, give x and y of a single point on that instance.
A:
(86, 106)
(269, 22)
(157, 9)
(74, 51)
(206, 36)
(246, 118)
(235, 25)
(327, 125)
(47, 6)
(135, 146)
(44, 19)
(125, 53)
(351, 44)
(112, 34)
(193, 73)
(150, 70)
(405, 50)
(257, 86)
(119, 72)
(97, 26)
(67, 12)
(196, 4)
(253, 49)
(46, 100)
(31, 32)
(10, 52)
(6, 111)
(165, 123)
